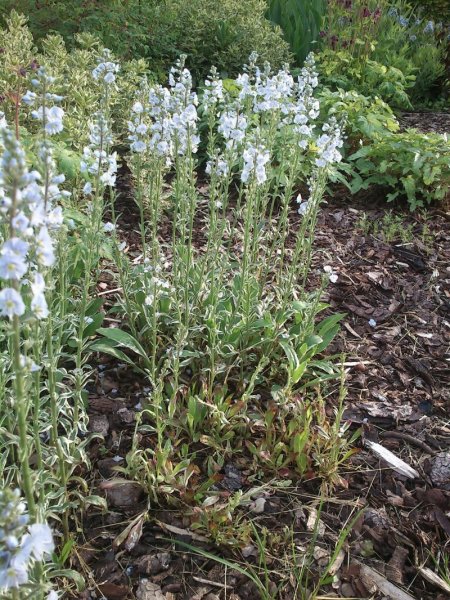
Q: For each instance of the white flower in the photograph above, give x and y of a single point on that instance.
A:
(87, 189)
(28, 363)
(110, 77)
(29, 98)
(39, 306)
(16, 246)
(372, 323)
(331, 274)
(11, 303)
(107, 227)
(303, 208)
(38, 284)
(232, 126)
(137, 108)
(12, 266)
(53, 118)
(255, 159)
(52, 595)
(13, 576)
(55, 218)
(44, 248)
(20, 222)
(39, 541)
(138, 146)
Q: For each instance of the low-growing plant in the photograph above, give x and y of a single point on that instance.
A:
(409, 41)
(413, 165)
(352, 25)
(391, 228)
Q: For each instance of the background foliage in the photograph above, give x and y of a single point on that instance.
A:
(222, 33)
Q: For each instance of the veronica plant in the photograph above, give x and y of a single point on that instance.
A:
(24, 547)
(43, 412)
(218, 316)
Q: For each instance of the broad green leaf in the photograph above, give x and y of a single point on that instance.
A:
(123, 339)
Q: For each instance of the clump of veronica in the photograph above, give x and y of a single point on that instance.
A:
(255, 158)
(98, 162)
(166, 123)
(48, 110)
(26, 204)
(328, 144)
(213, 94)
(22, 545)
(232, 126)
(106, 69)
(306, 108)
(99, 165)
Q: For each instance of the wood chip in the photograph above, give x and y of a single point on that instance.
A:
(397, 464)
(372, 579)
(430, 576)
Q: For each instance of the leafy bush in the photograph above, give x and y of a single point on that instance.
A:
(414, 44)
(301, 22)
(366, 118)
(386, 45)
(412, 164)
(222, 32)
(211, 324)
(340, 69)
(72, 70)
(437, 9)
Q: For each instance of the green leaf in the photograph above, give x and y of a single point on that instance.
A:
(92, 327)
(290, 354)
(123, 339)
(110, 347)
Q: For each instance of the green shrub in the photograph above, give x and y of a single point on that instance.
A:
(221, 33)
(438, 9)
(366, 118)
(410, 41)
(414, 165)
(340, 69)
(72, 70)
(209, 32)
(388, 46)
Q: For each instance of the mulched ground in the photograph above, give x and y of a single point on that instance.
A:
(395, 337)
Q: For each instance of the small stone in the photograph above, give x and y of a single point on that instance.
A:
(248, 551)
(99, 424)
(126, 415)
(122, 493)
(440, 470)
(149, 591)
(258, 505)
(153, 564)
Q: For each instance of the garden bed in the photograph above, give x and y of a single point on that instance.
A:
(393, 285)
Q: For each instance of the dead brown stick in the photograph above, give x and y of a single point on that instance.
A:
(408, 438)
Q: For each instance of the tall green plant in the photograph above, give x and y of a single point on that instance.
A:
(301, 22)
